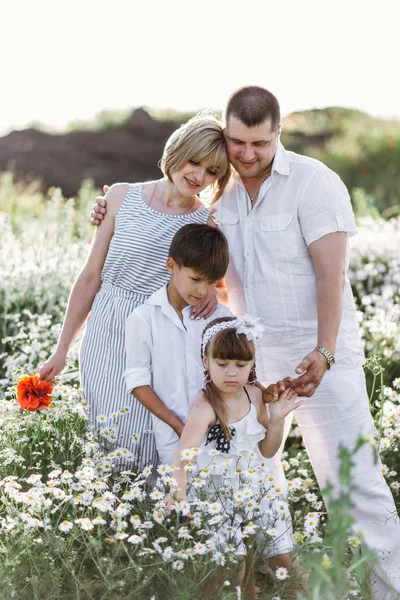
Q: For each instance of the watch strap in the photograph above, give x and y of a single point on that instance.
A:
(330, 359)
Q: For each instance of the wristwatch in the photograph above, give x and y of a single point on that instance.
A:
(330, 359)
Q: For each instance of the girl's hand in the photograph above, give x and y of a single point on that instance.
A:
(271, 393)
(288, 401)
(52, 367)
(205, 307)
(173, 497)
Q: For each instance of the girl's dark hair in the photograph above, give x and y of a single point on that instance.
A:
(201, 248)
(226, 345)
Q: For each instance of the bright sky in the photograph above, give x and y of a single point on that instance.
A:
(62, 61)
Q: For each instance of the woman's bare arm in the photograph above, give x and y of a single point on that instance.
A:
(86, 286)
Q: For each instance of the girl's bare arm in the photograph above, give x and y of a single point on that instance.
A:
(200, 419)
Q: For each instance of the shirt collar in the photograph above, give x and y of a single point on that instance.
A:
(160, 298)
(281, 163)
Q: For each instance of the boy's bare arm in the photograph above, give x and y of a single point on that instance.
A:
(152, 402)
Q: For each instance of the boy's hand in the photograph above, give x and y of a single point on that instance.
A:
(179, 428)
(205, 307)
(100, 208)
(288, 401)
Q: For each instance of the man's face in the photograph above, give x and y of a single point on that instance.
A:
(251, 149)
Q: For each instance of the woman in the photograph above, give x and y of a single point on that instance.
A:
(126, 264)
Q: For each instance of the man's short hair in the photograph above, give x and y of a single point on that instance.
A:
(201, 248)
(253, 105)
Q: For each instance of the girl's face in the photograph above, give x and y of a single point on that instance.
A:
(194, 177)
(228, 375)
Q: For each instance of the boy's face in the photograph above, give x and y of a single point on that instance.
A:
(188, 284)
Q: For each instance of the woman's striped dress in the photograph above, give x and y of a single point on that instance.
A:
(134, 268)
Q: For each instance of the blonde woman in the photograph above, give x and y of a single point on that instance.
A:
(126, 265)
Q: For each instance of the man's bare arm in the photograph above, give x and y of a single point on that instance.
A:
(328, 256)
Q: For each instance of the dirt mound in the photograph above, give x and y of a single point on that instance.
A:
(129, 153)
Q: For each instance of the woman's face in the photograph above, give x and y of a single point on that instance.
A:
(194, 177)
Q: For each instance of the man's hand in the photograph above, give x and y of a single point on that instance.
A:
(272, 392)
(100, 208)
(313, 367)
(205, 307)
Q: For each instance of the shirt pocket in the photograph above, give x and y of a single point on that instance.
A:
(224, 217)
(228, 222)
(280, 235)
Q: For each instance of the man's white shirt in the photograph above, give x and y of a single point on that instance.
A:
(270, 273)
(165, 353)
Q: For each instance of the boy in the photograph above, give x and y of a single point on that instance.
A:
(163, 363)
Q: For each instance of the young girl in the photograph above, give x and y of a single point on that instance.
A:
(229, 418)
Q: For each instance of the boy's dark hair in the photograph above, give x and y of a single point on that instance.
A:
(252, 105)
(201, 248)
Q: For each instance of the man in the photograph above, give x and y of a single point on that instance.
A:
(287, 219)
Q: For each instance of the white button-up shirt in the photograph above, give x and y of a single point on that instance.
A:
(270, 273)
(165, 353)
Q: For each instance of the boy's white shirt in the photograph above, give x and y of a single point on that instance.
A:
(165, 353)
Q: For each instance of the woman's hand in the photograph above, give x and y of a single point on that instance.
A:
(53, 366)
(205, 307)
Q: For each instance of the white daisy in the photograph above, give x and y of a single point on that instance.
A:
(281, 573)
(85, 523)
(65, 526)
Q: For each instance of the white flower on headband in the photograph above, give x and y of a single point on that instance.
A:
(243, 324)
(250, 327)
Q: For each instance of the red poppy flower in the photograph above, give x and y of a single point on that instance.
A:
(34, 393)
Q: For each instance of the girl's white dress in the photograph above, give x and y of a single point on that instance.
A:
(241, 480)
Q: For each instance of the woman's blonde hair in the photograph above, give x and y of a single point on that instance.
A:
(201, 138)
(227, 344)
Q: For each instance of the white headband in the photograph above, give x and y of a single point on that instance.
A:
(243, 324)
